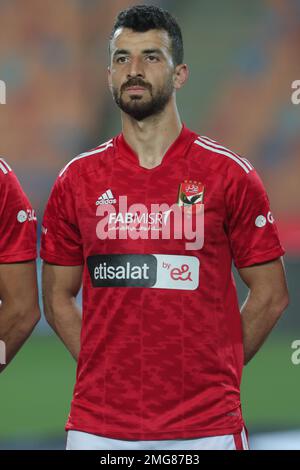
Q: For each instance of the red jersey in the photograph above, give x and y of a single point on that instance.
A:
(161, 341)
(17, 219)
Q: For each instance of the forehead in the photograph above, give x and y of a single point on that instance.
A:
(125, 38)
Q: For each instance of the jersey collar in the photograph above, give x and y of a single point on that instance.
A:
(177, 148)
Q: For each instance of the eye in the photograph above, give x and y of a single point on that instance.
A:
(152, 58)
(121, 59)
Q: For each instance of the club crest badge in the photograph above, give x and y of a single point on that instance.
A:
(190, 193)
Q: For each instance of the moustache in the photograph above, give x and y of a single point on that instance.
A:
(135, 82)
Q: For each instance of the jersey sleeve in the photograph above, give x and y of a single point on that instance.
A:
(61, 239)
(252, 230)
(18, 224)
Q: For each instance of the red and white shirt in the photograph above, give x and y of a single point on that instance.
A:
(18, 223)
(161, 342)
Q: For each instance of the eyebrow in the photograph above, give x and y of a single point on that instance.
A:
(145, 51)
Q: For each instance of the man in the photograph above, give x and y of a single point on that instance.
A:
(19, 308)
(161, 343)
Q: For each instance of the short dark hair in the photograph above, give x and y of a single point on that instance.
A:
(142, 18)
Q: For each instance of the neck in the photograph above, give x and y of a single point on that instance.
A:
(151, 138)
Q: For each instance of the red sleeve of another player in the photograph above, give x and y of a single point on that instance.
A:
(17, 221)
(61, 239)
(253, 234)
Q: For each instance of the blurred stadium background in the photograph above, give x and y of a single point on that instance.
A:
(243, 57)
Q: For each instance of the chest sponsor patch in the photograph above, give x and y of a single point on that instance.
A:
(144, 270)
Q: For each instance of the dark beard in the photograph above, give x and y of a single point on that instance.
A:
(141, 111)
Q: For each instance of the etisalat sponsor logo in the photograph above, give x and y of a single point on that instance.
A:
(144, 270)
(2, 352)
(295, 97)
(2, 92)
(295, 358)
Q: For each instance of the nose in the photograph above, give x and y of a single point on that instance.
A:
(136, 68)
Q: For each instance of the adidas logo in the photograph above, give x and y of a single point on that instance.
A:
(106, 198)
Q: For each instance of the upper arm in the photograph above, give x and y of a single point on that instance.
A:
(61, 281)
(61, 242)
(251, 228)
(18, 284)
(18, 221)
(267, 279)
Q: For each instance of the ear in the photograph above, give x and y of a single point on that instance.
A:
(181, 75)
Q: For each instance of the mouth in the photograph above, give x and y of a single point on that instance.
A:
(135, 90)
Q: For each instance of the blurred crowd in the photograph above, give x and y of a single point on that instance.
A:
(256, 113)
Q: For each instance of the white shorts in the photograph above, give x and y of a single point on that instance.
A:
(77, 440)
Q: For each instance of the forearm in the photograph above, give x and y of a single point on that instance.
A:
(64, 316)
(15, 327)
(259, 315)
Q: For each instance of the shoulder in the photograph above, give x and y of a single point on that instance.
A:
(8, 179)
(11, 190)
(85, 161)
(5, 169)
(220, 158)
